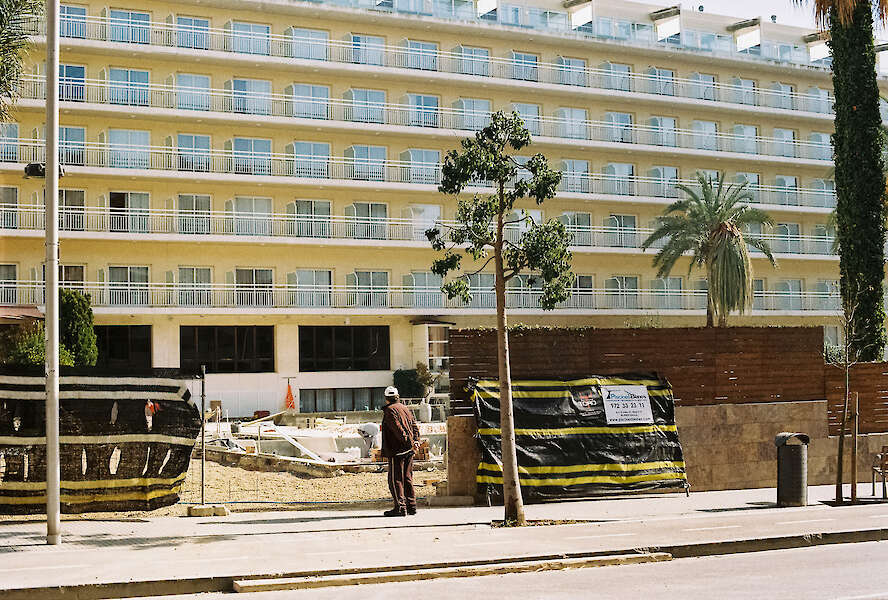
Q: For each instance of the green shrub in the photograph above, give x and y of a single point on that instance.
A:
(76, 327)
(25, 345)
(412, 383)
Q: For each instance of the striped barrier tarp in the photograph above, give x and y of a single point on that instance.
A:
(582, 437)
(125, 442)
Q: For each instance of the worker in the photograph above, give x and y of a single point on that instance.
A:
(400, 440)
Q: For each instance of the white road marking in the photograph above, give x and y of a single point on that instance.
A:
(42, 567)
(803, 521)
(480, 543)
(713, 528)
(604, 535)
(344, 551)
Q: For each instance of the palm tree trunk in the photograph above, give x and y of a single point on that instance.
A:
(710, 307)
(860, 182)
(512, 501)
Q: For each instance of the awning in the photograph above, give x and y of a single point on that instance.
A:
(17, 314)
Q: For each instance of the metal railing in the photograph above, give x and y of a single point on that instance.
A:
(291, 225)
(168, 158)
(198, 296)
(226, 40)
(279, 105)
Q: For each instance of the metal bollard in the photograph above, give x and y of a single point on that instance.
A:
(792, 469)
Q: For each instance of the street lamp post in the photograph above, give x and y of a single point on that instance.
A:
(51, 296)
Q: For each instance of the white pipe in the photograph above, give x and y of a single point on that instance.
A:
(51, 197)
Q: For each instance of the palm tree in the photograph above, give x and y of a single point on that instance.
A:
(857, 147)
(15, 20)
(710, 226)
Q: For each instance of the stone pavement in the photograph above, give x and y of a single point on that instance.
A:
(206, 554)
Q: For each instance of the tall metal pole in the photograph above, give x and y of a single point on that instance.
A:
(51, 199)
(203, 430)
(856, 429)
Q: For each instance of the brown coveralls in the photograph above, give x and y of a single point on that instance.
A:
(399, 434)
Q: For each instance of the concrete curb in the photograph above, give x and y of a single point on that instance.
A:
(297, 583)
(160, 587)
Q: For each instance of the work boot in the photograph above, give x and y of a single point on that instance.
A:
(395, 512)
(411, 510)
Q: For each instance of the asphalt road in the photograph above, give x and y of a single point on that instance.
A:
(837, 572)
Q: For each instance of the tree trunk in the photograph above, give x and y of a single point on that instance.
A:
(723, 320)
(840, 461)
(860, 182)
(512, 501)
(710, 310)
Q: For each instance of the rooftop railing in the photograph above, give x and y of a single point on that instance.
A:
(292, 225)
(228, 101)
(191, 160)
(430, 60)
(232, 296)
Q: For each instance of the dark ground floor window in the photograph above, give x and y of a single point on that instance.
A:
(341, 399)
(227, 349)
(344, 348)
(123, 346)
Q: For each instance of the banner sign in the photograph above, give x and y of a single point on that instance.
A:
(583, 437)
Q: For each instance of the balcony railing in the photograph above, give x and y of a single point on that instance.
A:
(228, 101)
(289, 225)
(401, 57)
(202, 296)
(166, 158)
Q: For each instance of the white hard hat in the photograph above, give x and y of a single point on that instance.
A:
(391, 391)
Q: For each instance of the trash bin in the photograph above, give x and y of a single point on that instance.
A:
(792, 469)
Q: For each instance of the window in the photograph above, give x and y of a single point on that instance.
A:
(71, 83)
(72, 21)
(128, 285)
(194, 286)
(129, 149)
(192, 32)
(617, 77)
(367, 49)
(193, 152)
(621, 232)
(252, 216)
(579, 225)
(423, 290)
(474, 61)
(310, 159)
(474, 114)
(192, 92)
(194, 213)
(481, 290)
(252, 156)
(423, 110)
(530, 114)
(9, 207)
(128, 211)
(789, 294)
(619, 127)
(746, 139)
(251, 96)
(367, 106)
(341, 399)
(422, 55)
(70, 276)
(524, 66)
(663, 131)
(130, 27)
(311, 101)
(753, 182)
(571, 123)
(72, 145)
(368, 162)
(787, 190)
(309, 43)
(439, 348)
(662, 81)
(227, 349)
(705, 135)
(8, 284)
(423, 165)
(666, 292)
(128, 86)
(622, 292)
(821, 146)
(817, 100)
(784, 142)
(583, 294)
(423, 217)
(823, 193)
(663, 182)
(253, 287)
(310, 287)
(124, 347)
(310, 218)
(571, 71)
(782, 95)
(344, 348)
(71, 209)
(619, 179)
(787, 238)
(249, 38)
(745, 92)
(9, 133)
(575, 175)
(367, 288)
(703, 86)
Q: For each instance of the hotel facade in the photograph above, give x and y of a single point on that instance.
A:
(247, 184)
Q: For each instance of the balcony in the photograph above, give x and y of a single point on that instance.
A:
(400, 57)
(425, 118)
(170, 159)
(293, 226)
(190, 298)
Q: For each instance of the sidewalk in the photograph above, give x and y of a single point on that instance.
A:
(206, 554)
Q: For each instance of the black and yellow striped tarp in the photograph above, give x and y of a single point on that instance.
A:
(570, 445)
(113, 457)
